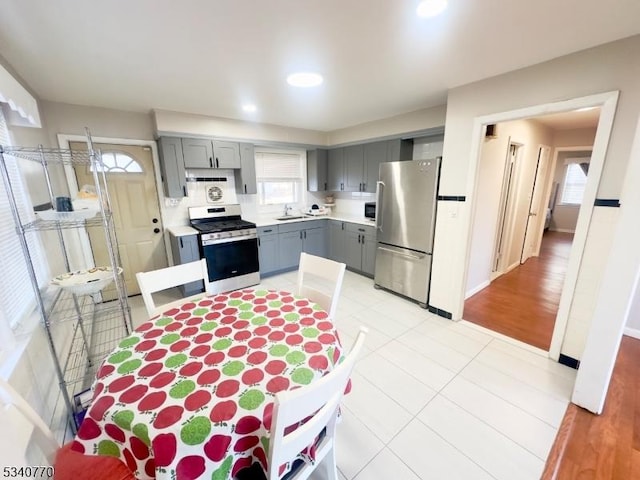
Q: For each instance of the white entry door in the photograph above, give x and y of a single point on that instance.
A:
(136, 213)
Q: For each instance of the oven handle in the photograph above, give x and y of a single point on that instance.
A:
(206, 243)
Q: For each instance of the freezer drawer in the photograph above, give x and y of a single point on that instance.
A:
(403, 271)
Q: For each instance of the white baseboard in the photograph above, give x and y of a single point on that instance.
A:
(632, 332)
(476, 289)
(511, 267)
(562, 230)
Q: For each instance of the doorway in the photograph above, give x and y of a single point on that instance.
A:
(520, 296)
(134, 201)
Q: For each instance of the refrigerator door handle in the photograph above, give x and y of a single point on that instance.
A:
(402, 254)
(379, 192)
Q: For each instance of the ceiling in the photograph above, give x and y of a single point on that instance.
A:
(211, 56)
(569, 120)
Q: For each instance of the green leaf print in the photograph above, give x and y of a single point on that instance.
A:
(222, 473)
(129, 366)
(107, 447)
(129, 342)
(119, 356)
(141, 431)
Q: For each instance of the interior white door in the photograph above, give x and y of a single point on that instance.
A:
(136, 212)
(504, 217)
(537, 208)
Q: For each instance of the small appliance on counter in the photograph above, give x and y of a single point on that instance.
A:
(316, 210)
(370, 210)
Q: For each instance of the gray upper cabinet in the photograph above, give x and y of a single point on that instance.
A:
(174, 180)
(335, 170)
(399, 149)
(226, 154)
(246, 175)
(198, 153)
(374, 153)
(353, 168)
(317, 170)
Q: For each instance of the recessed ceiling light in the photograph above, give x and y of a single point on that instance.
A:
(304, 79)
(431, 8)
(249, 108)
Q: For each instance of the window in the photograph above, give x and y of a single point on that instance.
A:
(575, 180)
(116, 162)
(17, 298)
(280, 177)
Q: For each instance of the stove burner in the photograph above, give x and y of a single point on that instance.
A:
(222, 226)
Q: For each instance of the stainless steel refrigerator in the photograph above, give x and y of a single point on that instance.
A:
(405, 220)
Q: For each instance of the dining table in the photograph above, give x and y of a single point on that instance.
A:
(190, 393)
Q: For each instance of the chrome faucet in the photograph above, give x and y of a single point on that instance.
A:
(287, 209)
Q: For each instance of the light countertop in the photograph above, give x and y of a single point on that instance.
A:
(182, 231)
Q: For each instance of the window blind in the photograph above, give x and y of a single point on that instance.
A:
(278, 166)
(17, 297)
(574, 182)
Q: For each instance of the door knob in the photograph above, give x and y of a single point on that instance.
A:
(156, 230)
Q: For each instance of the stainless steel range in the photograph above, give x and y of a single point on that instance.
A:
(229, 244)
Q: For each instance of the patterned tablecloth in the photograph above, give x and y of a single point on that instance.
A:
(190, 393)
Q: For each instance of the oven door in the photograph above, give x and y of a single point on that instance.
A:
(231, 257)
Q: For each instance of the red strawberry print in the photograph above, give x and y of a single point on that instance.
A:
(212, 315)
(180, 345)
(222, 331)
(153, 333)
(121, 383)
(172, 327)
(150, 468)
(242, 335)
(257, 342)
(295, 339)
(276, 322)
(319, 362)
(245, 443)
(200, 351)
(189, 331)
(145, 345)
(237, 351)
(182, 317)
(312, 347)
(277, 384)
(105, 370)
(262, 458)
(326, 338)
(291, 327)
(240, 464)
(306, 321)
(240, 324)
(214, 358)
(154, 355)
(144, 327)
(324, 326)
(203, 338)
(129, 460)
(276, 336)
(267, 415)
(193, 321)
(190, 369)
(188, 306)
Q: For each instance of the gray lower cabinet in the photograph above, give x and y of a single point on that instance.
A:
(245, 176)
(172, 171)
(360, 248)
(280, 245)
(289, 249)
(337, 241)
(268, 249)
(185, 249)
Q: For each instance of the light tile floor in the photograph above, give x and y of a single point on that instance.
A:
(435, 399)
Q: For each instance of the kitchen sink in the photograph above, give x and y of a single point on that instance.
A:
(290, 217)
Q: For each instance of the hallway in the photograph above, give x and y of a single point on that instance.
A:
(523, 303)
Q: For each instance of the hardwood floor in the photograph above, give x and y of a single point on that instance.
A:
(607, 446)
(523, 303)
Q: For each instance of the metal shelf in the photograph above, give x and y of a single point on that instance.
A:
(50, 155)
(80, 330)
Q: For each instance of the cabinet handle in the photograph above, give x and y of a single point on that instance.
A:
(267, 231)
(300, 234)
(361, 229)
(360, 187)
(245, 188)
(258, 241)
(211, 162)
(364, 187)
(305, 234)
(217, 163)
(184, 190)
(181, 245)
(325, 185)
(342, 225)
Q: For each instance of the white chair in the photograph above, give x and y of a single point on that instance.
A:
(323, 269)
(21, 426)
(320, 401)
(23, 429)
(164, 278)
